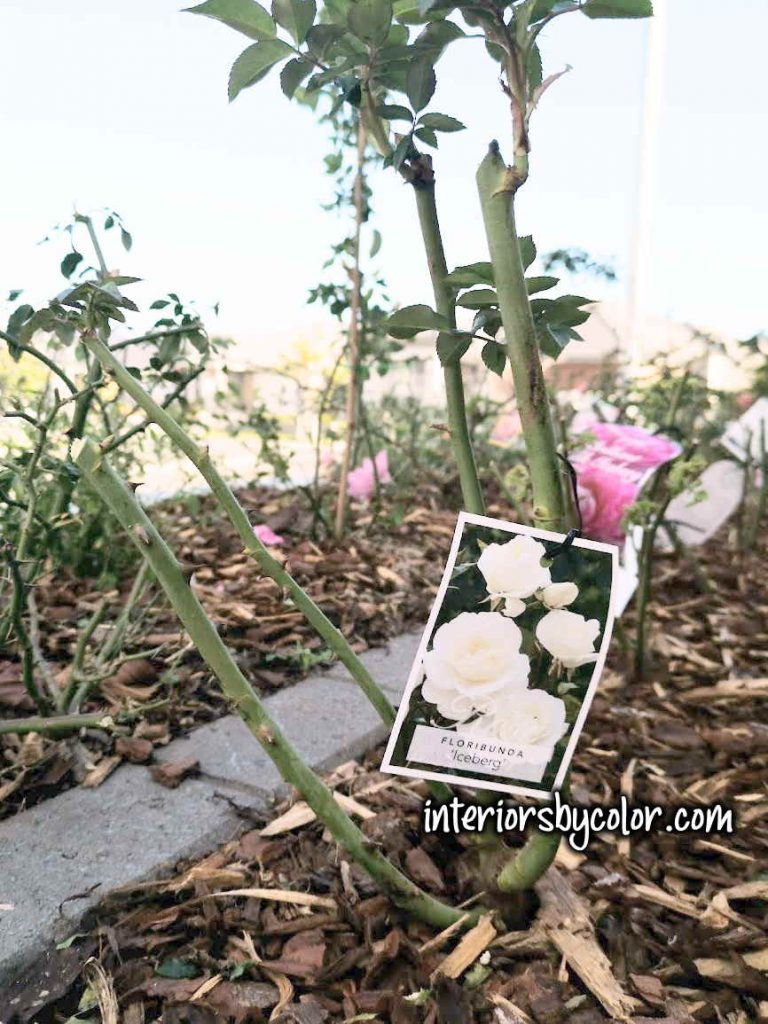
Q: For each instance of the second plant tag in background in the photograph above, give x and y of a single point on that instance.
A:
(509, 661)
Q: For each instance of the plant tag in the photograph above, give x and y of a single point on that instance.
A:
(747, 436)
(509, 660)
(627, 574)
(697, 518)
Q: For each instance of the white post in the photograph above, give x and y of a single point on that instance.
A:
(642, 238)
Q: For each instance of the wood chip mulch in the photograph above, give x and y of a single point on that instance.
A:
(663, 927)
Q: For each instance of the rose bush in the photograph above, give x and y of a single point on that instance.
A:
(611, 471)
(569, 637)
(474, 657)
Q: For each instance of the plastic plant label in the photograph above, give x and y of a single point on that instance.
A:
(746, 436)
(509, 660)
(697, 520)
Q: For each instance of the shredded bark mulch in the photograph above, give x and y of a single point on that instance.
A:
(279, 926)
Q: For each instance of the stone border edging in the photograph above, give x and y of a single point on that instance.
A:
(60, 858)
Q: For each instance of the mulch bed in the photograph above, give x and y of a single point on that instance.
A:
(662, 926)
(378, 582)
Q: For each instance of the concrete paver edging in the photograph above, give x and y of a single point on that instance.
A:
(60, 858)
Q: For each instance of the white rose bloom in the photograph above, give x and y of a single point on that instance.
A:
(530, 718)
(568, 637)
(474, 658)
(514, 569)
(558, 595)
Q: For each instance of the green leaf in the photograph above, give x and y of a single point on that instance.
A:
(244, 16)
(70, 263)
(617, 8)
(487, 320)
(480, 298)
(126, 239)
(540, 284)
(254, 63)
(394, 112)
(441, 123)
(527, 250)
(370, 20)
(321, 38)
(293, 74)
(436, 36)
(426, 135)
(544, 7)
(295, 16)
(494, 356)
(420, 83)
(402, 151)
(534, 69)
(451, 347)
(552, 339)
(407, 12)
(177, 969)
(375, 243)
(409, 320)
(471, 274)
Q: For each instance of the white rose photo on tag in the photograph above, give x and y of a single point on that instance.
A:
(509, 661)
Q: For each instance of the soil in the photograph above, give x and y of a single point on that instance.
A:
(663, 926)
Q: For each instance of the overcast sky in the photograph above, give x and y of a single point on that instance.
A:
(123, 103)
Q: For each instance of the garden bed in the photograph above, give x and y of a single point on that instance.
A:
(683, 931)
(374, 585)
(378, 583)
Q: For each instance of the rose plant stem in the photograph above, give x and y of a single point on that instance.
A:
(243, 698)
(423, 184)
(353, 387)
(424, 189)
(551, 508)
(201, 459)
(497, 184)
(645, 566)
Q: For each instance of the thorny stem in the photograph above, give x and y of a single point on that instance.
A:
(114, 640)
(73, 723)
(73, 693)
(17, 621)
(201, 459)
(179, 390)
(44, 359)
(166, 332)
(496, 184)
(244, 699)
(353, 387)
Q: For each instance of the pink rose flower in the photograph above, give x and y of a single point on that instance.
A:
(633, 445)
(361, 482)
(611, 472)
(267, 536)
(603, 499)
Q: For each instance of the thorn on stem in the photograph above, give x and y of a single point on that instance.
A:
(141, 534)
(265, 735)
